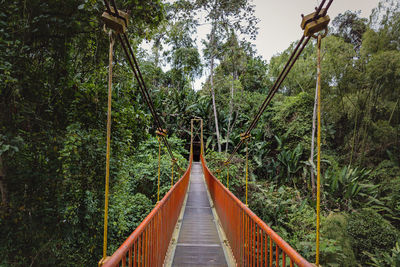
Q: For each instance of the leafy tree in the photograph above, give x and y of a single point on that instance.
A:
(350, 27)
(224, 15)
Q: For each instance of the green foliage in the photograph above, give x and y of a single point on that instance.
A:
(391, 258)
(333, 227)
(370, 233)
(291, 118)
(387, 176)
(349, 186)
(350, 27)
(127, 211)
(254, 79)
(289, 160)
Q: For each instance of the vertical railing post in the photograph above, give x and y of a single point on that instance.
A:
(191, 138)
(201, 137)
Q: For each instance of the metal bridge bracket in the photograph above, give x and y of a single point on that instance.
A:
(162, 132)
(114, 22)
(312, 26)
(244, 136)
(102, 261)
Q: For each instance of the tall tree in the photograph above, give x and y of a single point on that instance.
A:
(350, 27)
(233, 61)
(225, 14)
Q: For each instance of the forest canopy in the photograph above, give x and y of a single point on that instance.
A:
(53, 102)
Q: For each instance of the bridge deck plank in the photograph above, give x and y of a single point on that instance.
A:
(198, 243)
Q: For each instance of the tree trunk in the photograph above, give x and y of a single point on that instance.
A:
(314, 117)
(230, 111)
(394, 108)
(3, 187)
(212, 44)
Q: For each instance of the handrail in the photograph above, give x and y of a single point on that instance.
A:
(148, 244)
(251, 240)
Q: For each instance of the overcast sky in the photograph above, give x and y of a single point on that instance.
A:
(279, 23)
(280, 20)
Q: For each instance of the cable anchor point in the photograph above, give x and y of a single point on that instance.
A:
(117, 21)
(244, 136)
(313, 22)
(162, 132)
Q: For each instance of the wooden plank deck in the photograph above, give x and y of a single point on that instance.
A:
(198, 243)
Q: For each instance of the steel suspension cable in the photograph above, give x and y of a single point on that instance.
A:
(107, 6)
(115, 7)
(146, 91)
(288, 66)
(316, 13)
(142, 89)
(116, 14)
(135, 67)
(138, 75)
(278, 82)
(140, 79)
(271, 93)
(145, 95)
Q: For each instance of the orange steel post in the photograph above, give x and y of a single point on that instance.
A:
(130, 257)
(248, 241)
(283, 259)
(270, 252)
(134, 254)
(256, 247)
(143, 249)
(124, 261)
(259, 247)
(266, 251)
(240, 239)
(254, 243)
(154, 251)
(158, 239)
(242, 243)
(138, 250)
(151, 248)
(244, 238)
(251, 243)
(147, 244)
(261, 252)
(151, 251)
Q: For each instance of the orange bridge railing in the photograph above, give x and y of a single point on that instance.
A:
(148, 244)
(252, 242)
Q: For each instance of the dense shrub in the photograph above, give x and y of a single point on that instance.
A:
(370, 232)
(333, 227)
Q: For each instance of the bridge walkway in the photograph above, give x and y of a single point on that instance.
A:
(199, 243)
